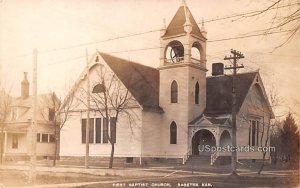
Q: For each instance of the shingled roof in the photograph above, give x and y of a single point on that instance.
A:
(219, 92)
(176, 26)
(142, 81)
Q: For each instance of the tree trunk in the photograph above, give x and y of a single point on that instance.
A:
(2, 145)
(111, 160)
(55, 146)
(55, 151)
(263, 163)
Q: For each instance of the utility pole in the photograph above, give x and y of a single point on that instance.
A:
(32, 171)
(236, 55)
(87, 126)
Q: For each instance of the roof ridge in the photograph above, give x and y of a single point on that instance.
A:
(242, 73)
(123, 59)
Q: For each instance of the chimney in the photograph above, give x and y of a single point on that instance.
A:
(217, 69)
(25, 87)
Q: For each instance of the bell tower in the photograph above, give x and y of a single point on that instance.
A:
(183, 66)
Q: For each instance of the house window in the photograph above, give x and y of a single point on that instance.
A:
(113, 129)
(99, 132)
(51, 114)
(83, 131)
(45, 137)
(99, 88)
(51, 138)
(105, 130)
(15, 141)
(197, 93)
(91, 130)
(173, 133)
(254, 133)
(174, 92)
(14, 113)
(38, 137)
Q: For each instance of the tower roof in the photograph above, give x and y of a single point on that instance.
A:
(182, 17)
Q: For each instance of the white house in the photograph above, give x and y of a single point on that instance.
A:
(176, 107)
(16, 120)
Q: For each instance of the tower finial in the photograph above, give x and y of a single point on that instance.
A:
(164, 23)
(202, 25)
(187, 17)
(183, 3)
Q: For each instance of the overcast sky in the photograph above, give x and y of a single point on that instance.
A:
(62, 30)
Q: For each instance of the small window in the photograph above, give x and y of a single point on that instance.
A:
(99, 88)
(173, 133)
(38, 137)
(15, 141)
(113, 129)
(14, 114)
(129, 159)
(105, 130)
(91, 130)
(83, 130)
(51, 138)
(98, 130)
(51, 114)
(174, 92)
(44, 138)
(254, 133)
(197, 93)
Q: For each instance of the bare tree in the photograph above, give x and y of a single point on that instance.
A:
(111, 100)
(5, 102)
(285, 17)
(59, 115)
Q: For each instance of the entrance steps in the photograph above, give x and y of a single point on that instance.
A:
(198, 160)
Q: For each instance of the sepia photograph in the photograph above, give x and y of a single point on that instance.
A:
(149, 93)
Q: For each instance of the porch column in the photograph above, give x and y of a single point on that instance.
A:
(218, 137)
(5, 142)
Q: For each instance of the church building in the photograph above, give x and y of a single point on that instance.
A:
(172, 110)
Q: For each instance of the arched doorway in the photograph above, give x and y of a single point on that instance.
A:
(225, 139)
(200, 139)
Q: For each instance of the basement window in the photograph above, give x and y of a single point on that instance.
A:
(129, 159)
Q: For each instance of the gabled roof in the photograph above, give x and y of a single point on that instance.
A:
(176, 26)
(44, 101)
(219, 92)
(141, 81)
(212, 119)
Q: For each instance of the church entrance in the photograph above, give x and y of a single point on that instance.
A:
(200, 139)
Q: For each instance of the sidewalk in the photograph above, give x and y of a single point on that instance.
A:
(123, 172)
(133, 174)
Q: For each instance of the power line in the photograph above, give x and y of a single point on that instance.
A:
(270, 54)
(153, 48)
(247, 36)
(247, 13)
(156, 30)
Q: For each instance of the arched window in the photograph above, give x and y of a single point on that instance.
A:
(174, 92)
(197, 93)
(99, 88)
(173, 133)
